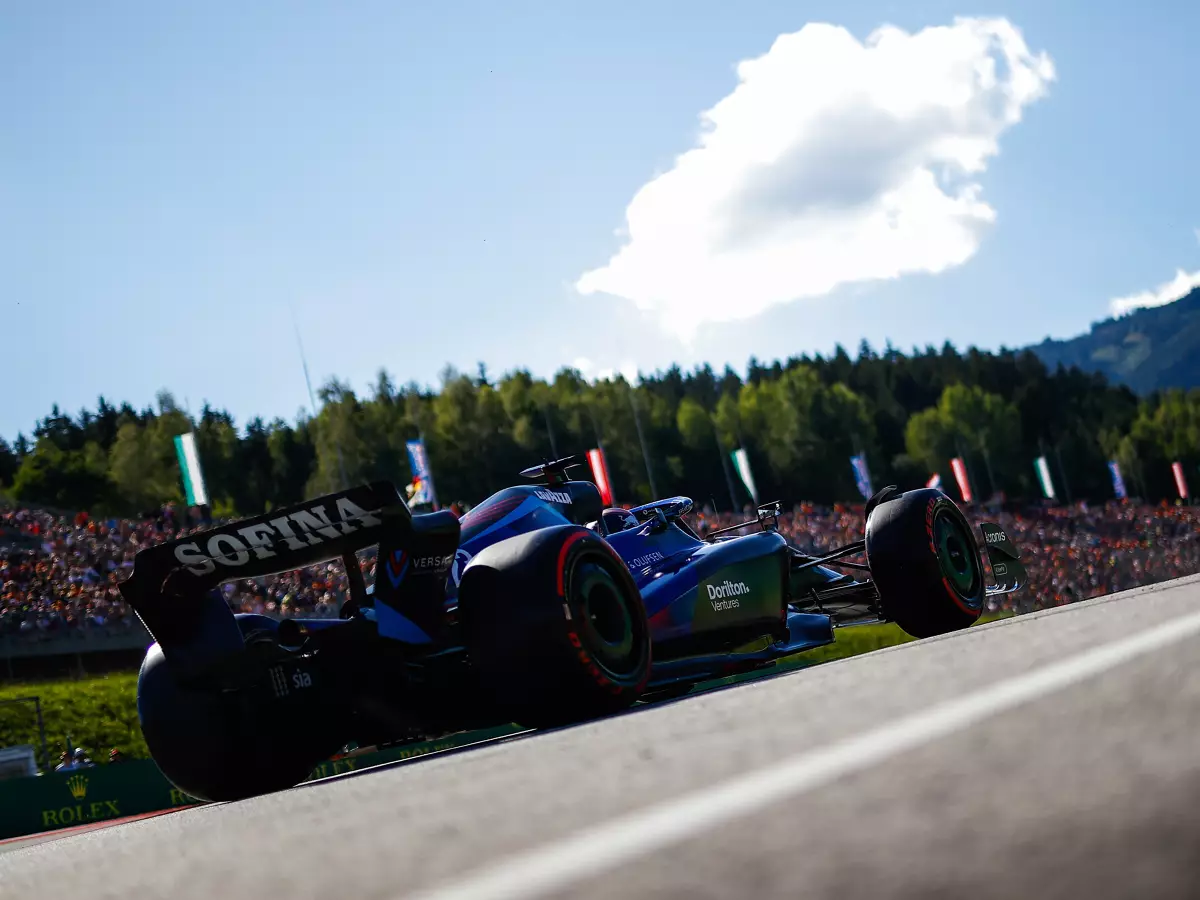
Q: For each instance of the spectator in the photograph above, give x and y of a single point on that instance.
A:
(59, 575)
(82, 761)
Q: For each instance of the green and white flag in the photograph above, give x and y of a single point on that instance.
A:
(1043, 474)
(189, 465)
(742, 463)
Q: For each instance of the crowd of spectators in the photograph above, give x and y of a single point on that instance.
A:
(60, 573)
(1071, 553)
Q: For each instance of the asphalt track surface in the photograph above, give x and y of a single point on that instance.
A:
(1055, 754)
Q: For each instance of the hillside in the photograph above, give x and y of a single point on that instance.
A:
(1146, 350)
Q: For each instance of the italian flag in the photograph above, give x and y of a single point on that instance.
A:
(189, 466)
(741, 462)
(1042, 467)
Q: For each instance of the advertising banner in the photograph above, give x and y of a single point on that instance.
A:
(742, 464)
(600, 474)
(189, 468)
(960, 475)
(862, 477)
(1181, 484)
(1117, 481)
(1043, 473)
(418, 461)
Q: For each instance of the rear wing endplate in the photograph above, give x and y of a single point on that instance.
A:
(1004, 559)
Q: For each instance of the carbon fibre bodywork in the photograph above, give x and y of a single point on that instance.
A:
(714, 607)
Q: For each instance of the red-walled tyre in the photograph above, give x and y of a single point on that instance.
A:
(926, 563)
(556, 627)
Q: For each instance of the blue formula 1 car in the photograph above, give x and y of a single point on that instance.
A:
(539, 607)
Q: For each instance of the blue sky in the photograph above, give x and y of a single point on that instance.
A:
(424, 186)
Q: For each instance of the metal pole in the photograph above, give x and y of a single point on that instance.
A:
(37, 704)
(987, 462)
(724, 467)
(342, 465)
(1062, 473)
(595, 425)
(549, 429)
(966, 468)
(600, 446)
(637, 421)
(429, 467)
(312, 400)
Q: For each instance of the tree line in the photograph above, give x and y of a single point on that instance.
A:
(799, 420)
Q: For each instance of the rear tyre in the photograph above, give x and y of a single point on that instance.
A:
(925, 562)
(556, 627)
(231, 745)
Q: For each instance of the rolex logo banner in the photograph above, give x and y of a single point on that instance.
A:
(107, 792)
(66, 799)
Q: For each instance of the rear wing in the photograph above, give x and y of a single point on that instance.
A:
(334, 525)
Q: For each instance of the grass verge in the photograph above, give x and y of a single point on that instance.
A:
(96, 713)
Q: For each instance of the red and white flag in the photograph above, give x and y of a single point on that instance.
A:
(1180, 482)
(960, 475)
(935, 481)
(600, 475)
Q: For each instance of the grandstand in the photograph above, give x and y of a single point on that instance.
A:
(61, 611)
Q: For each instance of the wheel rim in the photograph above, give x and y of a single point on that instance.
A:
(610, 632)
(956, 555)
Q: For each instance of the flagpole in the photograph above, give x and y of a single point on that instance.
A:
(1062, 472)
(724, 466)
(637, 421)
(312, 400)
(966, 469)
(549, 428)
(428, 470)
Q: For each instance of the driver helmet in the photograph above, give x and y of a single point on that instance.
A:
(616, 519)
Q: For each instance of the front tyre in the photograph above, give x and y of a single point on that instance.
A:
(556, 627)
(925, 562)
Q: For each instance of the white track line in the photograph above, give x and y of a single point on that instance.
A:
(595, 850)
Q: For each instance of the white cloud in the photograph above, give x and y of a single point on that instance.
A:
(1179, 286)
(588, 369)
(833, 161)
(628, 370)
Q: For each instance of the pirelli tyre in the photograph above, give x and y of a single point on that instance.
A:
(225, 745)
(925, 562)
(555, 626)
